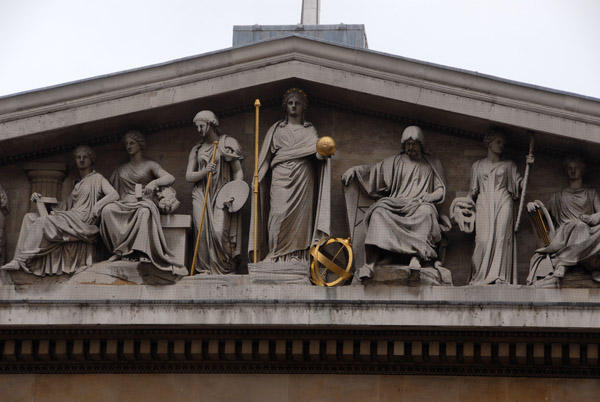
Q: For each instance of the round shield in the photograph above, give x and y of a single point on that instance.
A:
(331, 262)
(233, 195)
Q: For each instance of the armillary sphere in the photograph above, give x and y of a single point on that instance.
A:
(331, 261)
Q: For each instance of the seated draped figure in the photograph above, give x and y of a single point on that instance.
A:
(404, 221)
(576, 211)
(64, 241)
(130, 227)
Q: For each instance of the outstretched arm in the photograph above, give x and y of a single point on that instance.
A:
(349, 175)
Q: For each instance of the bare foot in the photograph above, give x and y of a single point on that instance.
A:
(13, 265)
(414, 263)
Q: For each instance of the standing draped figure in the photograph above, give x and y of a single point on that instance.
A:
(221, 238)
(495, 186)
(3, 214)
(294, 187)
(130, 227)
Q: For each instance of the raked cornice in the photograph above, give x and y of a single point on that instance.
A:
(363, 71)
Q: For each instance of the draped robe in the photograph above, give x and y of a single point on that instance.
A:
(62, 242)
(574, 241)
(496, 187)
(294, 194)
(221, 239)
(130, 224)
(399, 221)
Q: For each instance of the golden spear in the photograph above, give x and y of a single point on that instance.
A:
(255, 187)
(216, 143)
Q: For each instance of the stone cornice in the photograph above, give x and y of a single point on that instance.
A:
(232, 69)
(237, 301)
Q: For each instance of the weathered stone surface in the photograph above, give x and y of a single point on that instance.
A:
(240, 300)
(279, 273)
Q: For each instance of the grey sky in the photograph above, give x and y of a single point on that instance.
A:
(552, 43)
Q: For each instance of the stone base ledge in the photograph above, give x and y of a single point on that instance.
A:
(236, 300)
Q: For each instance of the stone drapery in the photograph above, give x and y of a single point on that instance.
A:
(131, 225)
(495, 186)
(221, 240)
(294, 194)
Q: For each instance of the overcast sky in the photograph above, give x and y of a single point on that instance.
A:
(552, 43)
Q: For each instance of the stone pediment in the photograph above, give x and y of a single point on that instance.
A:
(229, 80)
(362, 98)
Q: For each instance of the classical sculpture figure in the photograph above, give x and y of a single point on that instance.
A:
(64, 241)
(294, 187)
(575, 210)
(404, 221)
(130, 227)
(3, 213)
(495, 185)
(221, 238)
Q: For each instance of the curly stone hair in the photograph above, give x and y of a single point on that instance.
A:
(492, 135)
(137, 137)
(577, 159)
(88, 150)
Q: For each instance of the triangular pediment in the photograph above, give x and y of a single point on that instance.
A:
(229, 80)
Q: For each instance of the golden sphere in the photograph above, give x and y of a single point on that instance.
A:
(326, 146)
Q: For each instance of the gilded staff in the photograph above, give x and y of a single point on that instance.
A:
(525, 180)
(216, 143)
(255, 186)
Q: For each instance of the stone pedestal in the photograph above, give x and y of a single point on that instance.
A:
(176, 228)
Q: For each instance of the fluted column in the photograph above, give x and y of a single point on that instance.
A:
(46, 178)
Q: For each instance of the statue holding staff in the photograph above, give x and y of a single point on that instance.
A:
(220, 241)
(3, 214)
(495, 186)
(294, 187)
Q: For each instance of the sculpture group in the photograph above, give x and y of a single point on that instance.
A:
(402, 225)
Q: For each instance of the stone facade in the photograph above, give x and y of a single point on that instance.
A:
(124, 318)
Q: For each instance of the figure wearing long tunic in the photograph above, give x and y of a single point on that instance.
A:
(131, 225)
(221, 240)
(574, 241)
(294, 191)
(3, 213)
(495, 186)
(400, 222)
(62, 242)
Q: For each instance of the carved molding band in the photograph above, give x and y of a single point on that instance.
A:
(301, 351)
